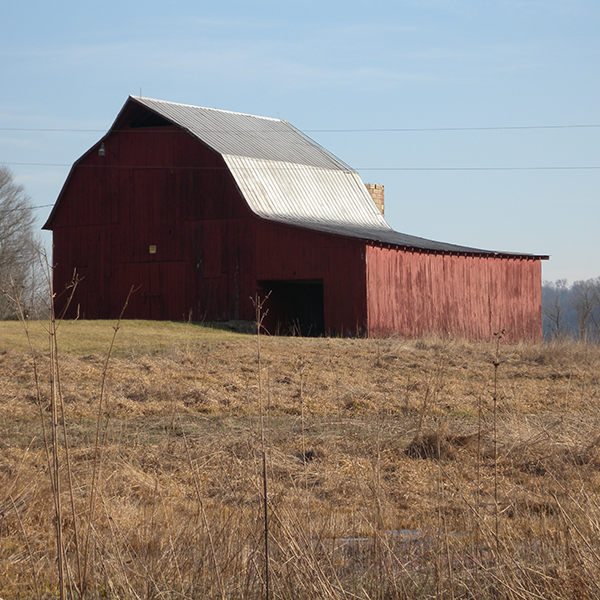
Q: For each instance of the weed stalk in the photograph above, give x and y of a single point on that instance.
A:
(97, 446)
(260, 315)
(498, 335)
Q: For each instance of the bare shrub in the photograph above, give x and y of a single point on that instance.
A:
(20, 264)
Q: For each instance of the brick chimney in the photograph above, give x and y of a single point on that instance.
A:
(376, 192)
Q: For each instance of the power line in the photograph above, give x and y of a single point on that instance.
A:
(21, 164)
(199, 168)
(349, 130)
(575, 168)
(47, 130)
(418, 129)
(9, 210)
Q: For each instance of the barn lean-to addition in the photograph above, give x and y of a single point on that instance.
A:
(201, 209)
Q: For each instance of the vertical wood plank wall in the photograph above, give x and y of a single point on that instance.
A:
(291, 253)
(156, 188)
(465, 296)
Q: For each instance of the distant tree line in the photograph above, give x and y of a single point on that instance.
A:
(572, 311)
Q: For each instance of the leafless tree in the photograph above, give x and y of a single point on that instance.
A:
(584, 301)
(554, 309)
(19, 246)
(595, 315)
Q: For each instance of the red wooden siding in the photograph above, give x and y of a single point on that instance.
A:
(159, 188)
(466, 296)
(290, 253)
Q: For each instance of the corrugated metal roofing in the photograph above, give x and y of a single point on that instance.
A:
(288, 178)
(304, 194)
(246, 135)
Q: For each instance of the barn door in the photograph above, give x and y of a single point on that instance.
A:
(151, 293)
(160, 290)
(144, 303)
(169, 283)
(294, 307)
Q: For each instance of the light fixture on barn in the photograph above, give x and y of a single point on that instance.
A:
(102, 150)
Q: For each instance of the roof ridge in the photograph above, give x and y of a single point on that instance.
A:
(219, 110)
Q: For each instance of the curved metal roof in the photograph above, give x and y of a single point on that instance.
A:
(286, 177)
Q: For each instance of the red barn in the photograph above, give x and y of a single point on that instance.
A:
(201, 209)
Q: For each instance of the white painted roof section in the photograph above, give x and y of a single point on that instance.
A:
(302, 194)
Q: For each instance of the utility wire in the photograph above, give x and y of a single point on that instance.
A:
(198, 168)
(367, 130)
(419, 129)
(9, 210)
(575, 168)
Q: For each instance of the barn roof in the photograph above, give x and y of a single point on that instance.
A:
(287, 177)
(283, 175)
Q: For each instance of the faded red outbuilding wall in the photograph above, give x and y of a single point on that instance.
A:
(468, 296)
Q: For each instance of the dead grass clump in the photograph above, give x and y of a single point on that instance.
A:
(440, 445)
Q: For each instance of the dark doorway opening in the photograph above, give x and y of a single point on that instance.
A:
(294, 307)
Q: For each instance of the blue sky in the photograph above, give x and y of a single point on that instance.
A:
(464, 109)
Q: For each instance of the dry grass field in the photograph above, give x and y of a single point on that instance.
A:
(394, 468)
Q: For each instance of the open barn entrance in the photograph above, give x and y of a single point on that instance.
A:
(294, 307)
